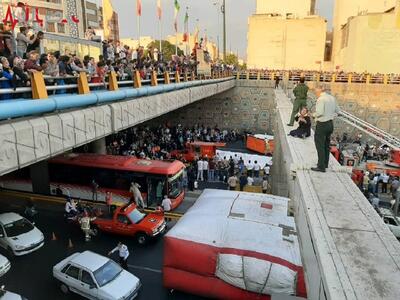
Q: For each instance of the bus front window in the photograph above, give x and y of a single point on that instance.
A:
(175, 187)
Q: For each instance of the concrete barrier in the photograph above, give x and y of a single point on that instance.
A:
(347, 250)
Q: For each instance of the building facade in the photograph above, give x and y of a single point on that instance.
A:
(297, 8)
(344, 9)
(91, 15)
(286, 39)
(62, 17)
(371, 43)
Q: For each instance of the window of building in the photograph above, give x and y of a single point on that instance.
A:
(51, 27)
(60, 27)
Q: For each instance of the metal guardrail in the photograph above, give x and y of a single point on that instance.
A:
(321, 77)
(21, 90)
(377, 133)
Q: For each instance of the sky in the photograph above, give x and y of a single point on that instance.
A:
(201, 12)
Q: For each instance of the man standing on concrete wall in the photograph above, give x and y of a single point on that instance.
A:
(325, 111)
(300, 92)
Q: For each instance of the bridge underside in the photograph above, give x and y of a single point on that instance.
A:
(25, 141)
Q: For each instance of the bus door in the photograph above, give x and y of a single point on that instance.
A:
(156, 187)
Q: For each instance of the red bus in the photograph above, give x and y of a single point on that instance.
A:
(73, 174)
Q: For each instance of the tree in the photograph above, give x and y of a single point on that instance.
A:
(168, 49)
(231, 59)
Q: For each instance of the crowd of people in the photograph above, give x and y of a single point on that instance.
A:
(326, 76)
(23, 53)
(157, 144)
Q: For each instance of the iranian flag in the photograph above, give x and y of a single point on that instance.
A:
(139, 7)
(186, 26)
(177, 8)
(159, 9)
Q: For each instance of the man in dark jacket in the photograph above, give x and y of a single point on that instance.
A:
(300, 92)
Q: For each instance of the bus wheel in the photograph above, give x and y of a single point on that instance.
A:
(141, 238)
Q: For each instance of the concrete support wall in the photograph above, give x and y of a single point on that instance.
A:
(248, 106)
(377, 104)
(99, 146)
(28, 141)
(40, 178)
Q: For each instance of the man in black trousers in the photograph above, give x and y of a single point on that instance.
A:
(325, 111)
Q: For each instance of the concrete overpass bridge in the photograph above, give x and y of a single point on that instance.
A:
(35, 130)
(347, 251)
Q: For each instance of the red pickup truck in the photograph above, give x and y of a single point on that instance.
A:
(128, 220)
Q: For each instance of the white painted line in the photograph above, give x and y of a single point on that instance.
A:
(145, 268)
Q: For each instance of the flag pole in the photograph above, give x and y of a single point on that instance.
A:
(187, 30)
(160, 29)
(138, 24)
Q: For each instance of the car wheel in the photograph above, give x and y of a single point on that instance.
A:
(141, 238)
(64, 288)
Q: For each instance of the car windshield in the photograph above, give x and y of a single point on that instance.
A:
(136, 216)
(18, 227)
(107, 273)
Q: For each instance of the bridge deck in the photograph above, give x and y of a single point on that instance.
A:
(347, 250)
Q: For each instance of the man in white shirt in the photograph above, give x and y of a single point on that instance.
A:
(385, 180)
(250, 168)
(205, 169)
(267, 170)
(166, 204)
(325, 111)
(375, 184)
(137, 195)
(200, 170)
(256, 169)
(70, 208)
(123, 254)
(250, 180)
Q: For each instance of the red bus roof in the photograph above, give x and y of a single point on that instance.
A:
(126, 163)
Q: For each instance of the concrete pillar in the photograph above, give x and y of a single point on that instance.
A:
(40, 178)
(99, 146)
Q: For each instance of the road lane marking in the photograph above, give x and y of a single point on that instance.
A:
(145, 268)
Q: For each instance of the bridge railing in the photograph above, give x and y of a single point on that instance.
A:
(57, 85)
(83, 94)
(320, 77)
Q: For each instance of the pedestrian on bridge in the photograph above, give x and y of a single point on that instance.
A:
(325, 111)
(300, 92)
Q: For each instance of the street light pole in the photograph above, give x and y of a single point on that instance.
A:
(216, 4)
(224, 37)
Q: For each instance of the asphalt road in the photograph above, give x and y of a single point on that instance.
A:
(31, 275)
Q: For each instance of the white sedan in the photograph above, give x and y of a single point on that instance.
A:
(95, 277)
(5, 265)
(19, 236)
(6, 295)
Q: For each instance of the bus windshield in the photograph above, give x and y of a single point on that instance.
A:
(175, 186)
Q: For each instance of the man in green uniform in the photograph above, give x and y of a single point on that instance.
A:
(300, 92)
(326, 110)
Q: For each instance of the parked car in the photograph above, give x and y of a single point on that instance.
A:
(128, 220)
(94, 276)
(19, 236)
(393, 224)
(5, 265)
(6, 295)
